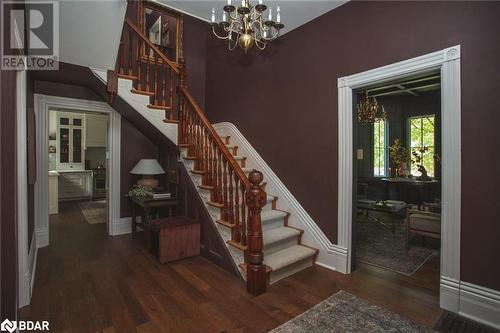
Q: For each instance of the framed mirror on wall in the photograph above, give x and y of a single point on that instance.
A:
(163, 27)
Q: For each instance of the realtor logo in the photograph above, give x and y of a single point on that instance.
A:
(8, 326)
(30, 35)
(24, 326)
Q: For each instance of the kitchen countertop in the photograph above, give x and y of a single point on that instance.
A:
(53, 173)
(74, 171)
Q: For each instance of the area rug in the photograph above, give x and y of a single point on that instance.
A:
(378, 246)
(344, 312)
(94, 211)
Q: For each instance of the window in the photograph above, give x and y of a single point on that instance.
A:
(380, 148)
(421, 132)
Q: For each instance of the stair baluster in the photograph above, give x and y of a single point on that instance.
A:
(139, 66)
(171, 104)
(130, 48)
(122, 57)
(237, 233)
(164, 86)
(156, 80)
(148, 51)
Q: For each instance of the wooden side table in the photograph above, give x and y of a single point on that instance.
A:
(148, 206)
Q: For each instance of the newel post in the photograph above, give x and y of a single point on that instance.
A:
(256, 270)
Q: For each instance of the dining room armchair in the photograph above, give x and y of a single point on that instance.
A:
(424, 223)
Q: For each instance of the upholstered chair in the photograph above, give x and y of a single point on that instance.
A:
(424, 223)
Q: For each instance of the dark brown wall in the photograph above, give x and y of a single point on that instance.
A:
(135, 146)
(8, 196)
(195, 51)
(284, 100)
(211, 244)
(65, 90)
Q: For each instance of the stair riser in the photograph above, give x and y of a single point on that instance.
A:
(281, 245)
(272, 224)
(290, 270)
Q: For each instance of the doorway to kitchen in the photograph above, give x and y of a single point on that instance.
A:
(78, 164)
(78, 150)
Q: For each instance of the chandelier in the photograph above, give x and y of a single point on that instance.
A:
(369, 110)
(246, 25)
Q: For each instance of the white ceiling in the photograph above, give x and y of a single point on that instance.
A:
(89, 32)
(294, 13)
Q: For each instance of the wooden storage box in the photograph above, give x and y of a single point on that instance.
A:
(175, 238)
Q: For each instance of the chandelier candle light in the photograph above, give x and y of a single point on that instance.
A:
(245, 26)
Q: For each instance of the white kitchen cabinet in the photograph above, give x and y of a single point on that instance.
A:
(96, 131)
(75, 185)
(70, 135)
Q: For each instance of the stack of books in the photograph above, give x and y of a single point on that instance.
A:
(155, 194)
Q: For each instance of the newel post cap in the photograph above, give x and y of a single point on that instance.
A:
(255, 177)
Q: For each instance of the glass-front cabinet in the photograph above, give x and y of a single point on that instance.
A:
(70, 129)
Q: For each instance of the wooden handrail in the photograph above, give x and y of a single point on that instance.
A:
(138, 32)
(206, 123)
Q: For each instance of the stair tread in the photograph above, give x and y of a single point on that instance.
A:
(279, 234)
(268, 215)
(288, 256)
(237, 157)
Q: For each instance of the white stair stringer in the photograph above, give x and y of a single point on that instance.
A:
(330, 255)
(140, 104)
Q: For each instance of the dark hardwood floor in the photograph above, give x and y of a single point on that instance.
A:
(89, 282)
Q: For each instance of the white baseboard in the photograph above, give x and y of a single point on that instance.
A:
(42, 238)
(471, 301)
(123, 226)
(480, 304)
(449, 294)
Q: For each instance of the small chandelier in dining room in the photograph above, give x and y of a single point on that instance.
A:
(369, 110)
(247, 25)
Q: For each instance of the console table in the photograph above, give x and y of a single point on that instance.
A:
(420, 185)
(149, 206)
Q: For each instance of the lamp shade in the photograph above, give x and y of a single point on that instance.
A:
(147, 167)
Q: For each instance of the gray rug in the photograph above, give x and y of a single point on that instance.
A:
(344, 312)
(380, 247)
(94, 211)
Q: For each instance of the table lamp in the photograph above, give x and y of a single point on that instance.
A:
(148, 168)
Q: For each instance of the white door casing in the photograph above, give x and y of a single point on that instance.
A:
(43, 103)
(448, 62)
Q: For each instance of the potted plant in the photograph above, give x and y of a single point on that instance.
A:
(400, 156)
(418, 159)
(138, 191)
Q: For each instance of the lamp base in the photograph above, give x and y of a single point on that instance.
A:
(148, 181)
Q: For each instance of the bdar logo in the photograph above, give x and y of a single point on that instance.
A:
(8, 326)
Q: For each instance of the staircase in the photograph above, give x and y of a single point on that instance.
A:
(284, 254)
(254, 229)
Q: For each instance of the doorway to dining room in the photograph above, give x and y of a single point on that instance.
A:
(396, 178)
